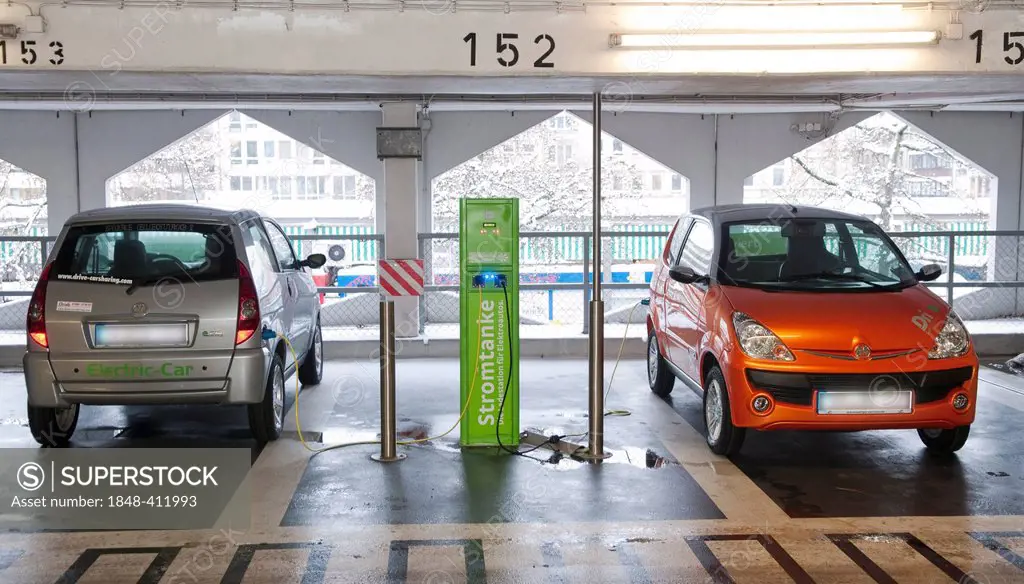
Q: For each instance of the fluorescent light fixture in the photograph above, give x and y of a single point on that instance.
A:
(774, 40)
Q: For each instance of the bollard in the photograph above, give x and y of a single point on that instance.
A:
(387, 385)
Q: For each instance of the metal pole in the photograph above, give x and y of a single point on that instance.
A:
(596, 446)
(586, 281)
(387, 384)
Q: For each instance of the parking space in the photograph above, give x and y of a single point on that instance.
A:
(791, 507)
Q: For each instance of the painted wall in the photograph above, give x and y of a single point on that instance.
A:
(427, 39)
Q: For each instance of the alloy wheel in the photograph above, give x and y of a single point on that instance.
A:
(714, 410)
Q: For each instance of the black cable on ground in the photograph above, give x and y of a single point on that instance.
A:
(508, 384)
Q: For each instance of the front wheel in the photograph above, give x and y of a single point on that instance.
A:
(266, 418)
(53, 426)
(945, 441)
(723, 438)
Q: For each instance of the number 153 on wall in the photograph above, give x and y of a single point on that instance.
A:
(1013, 46)
(31, 52)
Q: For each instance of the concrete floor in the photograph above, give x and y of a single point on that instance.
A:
(791, 507)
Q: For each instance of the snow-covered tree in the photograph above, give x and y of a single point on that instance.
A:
(554, 193)
(183, 171)
(19, 213)
(870, 163)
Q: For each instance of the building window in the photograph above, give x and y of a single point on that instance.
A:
(617, 183)
(285, 186)
(246, 183)
(250, 124)
(236, 152)
(268, 149)
(344, 186)
(318, 157)
(284, 149)
(560, 154)
(656, 182)
(251, 152)
(677, 182)
(528, 147)
(778, 176)
(616, 145)
(749, 181)
(236, 183)
(234, 122)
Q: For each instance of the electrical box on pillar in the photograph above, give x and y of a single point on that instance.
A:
(489, 321)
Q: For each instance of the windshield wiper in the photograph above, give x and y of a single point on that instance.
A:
(832, 276)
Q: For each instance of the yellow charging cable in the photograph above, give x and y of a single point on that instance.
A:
(622, 345)
(465, 407)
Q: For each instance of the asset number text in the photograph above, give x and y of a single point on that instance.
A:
(1013, 46)
(31, 52)
(507, 52)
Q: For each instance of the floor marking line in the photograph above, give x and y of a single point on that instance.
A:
(316, 563)
(155, 571)
(714, 567)
(8, 557)
(845, 543)
(472, 550)
(988, 539)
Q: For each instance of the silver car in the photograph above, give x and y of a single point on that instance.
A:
(170, 304)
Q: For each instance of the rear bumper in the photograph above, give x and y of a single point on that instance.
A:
(791, 408)
(245, 384)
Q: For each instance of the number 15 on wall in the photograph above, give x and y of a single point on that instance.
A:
(506, 49)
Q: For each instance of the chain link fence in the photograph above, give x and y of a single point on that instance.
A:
(981, 279)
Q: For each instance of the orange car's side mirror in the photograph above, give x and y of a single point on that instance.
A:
(686, 275)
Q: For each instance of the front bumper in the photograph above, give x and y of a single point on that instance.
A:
(793, 388)
(244, 384)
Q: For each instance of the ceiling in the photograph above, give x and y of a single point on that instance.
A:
(64, 90)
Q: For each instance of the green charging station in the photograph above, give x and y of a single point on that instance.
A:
(489, 321)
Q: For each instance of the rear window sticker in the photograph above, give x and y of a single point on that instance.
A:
(66, 306)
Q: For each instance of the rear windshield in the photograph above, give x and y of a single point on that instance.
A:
(134, 253)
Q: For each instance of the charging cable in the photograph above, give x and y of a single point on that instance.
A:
(298, 424)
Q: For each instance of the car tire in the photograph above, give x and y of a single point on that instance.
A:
(311, 372)
(266, 418)
(53, 426)
(659, 377)
(945, 441)
(723, 437)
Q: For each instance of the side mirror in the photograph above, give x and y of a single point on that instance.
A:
(686, 275)
(314, 261)
(929, 272)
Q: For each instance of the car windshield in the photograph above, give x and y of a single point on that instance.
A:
(812, 254)
(141, 253)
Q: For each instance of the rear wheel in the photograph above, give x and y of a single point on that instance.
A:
(312, 369)
(945, 441)
(266, 419)
(53, 426)
(723, 438)
(658, 376)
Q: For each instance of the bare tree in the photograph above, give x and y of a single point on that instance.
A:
(183, 171)
(553, 194)
(870, 162)
(19, 213)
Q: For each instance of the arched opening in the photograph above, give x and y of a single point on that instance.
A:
(549, 168)
(916, 188)
(23, 207)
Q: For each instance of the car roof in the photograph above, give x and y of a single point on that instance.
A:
(162, 212)
(720, 214)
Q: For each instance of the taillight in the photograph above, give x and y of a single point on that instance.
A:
(248, 306)
(36, 320)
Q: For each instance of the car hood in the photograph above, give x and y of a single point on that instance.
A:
(901, 320)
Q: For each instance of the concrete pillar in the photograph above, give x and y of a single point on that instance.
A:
(43, 143)
(994, 141)
(401, 177)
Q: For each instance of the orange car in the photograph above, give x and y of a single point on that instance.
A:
(801, 318)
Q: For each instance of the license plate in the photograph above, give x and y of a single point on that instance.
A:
(865, 402)
(141, 335)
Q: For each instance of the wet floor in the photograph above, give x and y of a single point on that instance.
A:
(791, 507)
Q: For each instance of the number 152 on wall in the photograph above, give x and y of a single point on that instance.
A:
(507, 52)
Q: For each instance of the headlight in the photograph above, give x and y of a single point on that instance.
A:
(757, 341)
(952, 340)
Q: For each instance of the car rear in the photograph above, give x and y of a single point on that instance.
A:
(132, 311)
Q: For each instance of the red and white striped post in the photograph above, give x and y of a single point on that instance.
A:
(394, 278)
